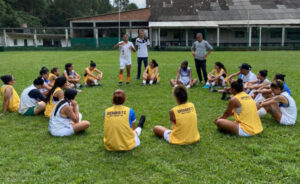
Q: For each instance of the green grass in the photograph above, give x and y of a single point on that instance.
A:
(28, 154)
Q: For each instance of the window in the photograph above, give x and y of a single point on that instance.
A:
(276, 34)
(293, 35)
(15, 42)
(178, 34)
(25, 43)
(239, 34)
(254, 33)
(163, 33)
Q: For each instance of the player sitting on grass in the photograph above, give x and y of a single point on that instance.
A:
(265, 92)
(10, 97)
(260, 82)
(32, 100)
(282, 106)
(90, 79)
(151, 74)
(243, 108)
(125, 47)
(245, 74)
(53, 75)
(65, 119)
(184, 76)
(216, 77)
(44, 73)
(55, 95)
(120, 133)
(72, 77)
(184, 121)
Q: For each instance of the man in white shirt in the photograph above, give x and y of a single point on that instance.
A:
(142, 44)
(125, 47)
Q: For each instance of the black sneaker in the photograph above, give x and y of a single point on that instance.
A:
(227, 98)
(127, 82)
(224, 95)
(120, 83)
(142, 121)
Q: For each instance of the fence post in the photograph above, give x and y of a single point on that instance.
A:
(186, 37)
(35, 38)
(96, 34)
(67, 37)
(4, 37)
(218, 36)
(159, 36)
(260, 30)
(283, 37)
(250, 36)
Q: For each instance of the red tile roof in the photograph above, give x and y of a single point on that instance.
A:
(139, 14)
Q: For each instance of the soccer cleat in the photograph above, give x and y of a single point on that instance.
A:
(142, 121)
(224, 95)
(127, 82)
(206, 87)
(120, 83)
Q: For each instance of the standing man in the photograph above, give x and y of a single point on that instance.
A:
(125, 57)
(142, 44)
(199, 49)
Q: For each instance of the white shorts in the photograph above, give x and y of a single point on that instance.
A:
(124, 63)
(167, 135)
(137, 140)
(184, 81)
(285, 121)
(65, 131)
(242, 133)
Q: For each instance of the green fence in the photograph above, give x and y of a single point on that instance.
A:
(83, 42)
(107, 43)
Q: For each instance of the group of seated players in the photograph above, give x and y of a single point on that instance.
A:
(252, 96)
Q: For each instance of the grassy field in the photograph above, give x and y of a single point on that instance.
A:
(28, 154)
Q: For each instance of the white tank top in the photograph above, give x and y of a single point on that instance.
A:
(26, 102)
(289, 110)
(185, 74)
(58, 122)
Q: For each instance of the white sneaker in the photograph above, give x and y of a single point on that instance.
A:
(188, 86)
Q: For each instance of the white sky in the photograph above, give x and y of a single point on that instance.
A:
(140, 3)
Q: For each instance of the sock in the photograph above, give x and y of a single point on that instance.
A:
(77, 85)
(144, 82)
(224, 95)
(213, 84)
(121, 77)
(128, 79)
(261, 112)
(151, 82)
(85, 84)
(138, 130)
(223, 83)
(188, 86)
(96, 81)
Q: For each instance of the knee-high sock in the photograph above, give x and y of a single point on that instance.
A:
(128, 78)
(121, 77)
(138, 131)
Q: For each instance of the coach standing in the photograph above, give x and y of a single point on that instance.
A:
(200, 50)
(142, 44)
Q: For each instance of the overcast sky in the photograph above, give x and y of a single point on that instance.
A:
(140, 3)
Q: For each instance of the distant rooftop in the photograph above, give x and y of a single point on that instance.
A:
(220, 10)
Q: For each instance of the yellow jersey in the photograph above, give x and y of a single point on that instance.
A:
(51, 104)
(14, 101)
(185, 130)
(118, 136)
(248, 117)
(50, 76)
(87, 76)
(151, 72)
(217, 73)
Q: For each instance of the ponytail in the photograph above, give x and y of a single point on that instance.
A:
(59, 82)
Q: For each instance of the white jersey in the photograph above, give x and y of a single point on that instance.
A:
(142, 45)
(58, 122)
(46, 82)
(289, 111)
(72, 74)
(26, 102)
(249, 77)
(125, 51)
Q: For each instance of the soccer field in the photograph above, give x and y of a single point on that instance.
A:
(28, 154)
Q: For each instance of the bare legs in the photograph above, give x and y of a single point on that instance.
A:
(159, 131)
(40, 108)
(80, 126)
(227, 126)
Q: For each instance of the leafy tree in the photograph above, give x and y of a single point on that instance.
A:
(131, 6)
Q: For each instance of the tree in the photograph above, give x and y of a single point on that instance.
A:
(131, 6)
